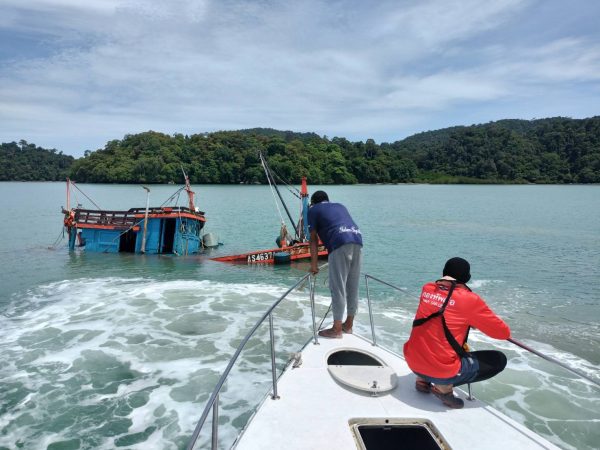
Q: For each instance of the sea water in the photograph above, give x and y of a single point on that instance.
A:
(122, 351)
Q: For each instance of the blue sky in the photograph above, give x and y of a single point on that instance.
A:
(75, 74)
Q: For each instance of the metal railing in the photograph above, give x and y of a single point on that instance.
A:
(93, 216)
(511, 340)
(213, 401)
(553, 360)
(367, 277)
(129, 217)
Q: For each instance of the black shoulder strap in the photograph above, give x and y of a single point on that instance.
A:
(460, 351)
(422, 320)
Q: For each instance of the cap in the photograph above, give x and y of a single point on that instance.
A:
(458, 268)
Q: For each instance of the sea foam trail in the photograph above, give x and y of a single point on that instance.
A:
(101, 363)
(128, 362)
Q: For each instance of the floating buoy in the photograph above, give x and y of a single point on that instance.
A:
(210, 240)
(281, 257)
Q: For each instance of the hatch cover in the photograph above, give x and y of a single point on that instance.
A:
(361, 370)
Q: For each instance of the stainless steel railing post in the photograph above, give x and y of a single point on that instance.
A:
(470, 397)
(215, 424)
(311, 284)
(214, 397)
(370, 310)
(273, 368)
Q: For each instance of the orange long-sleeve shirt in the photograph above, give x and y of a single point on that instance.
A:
(427, 351)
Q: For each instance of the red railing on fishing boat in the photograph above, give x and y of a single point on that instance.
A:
(130, 217)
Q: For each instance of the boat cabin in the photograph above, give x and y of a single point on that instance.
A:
(167, 230)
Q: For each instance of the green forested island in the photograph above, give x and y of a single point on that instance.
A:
(26, 162)
(555, 150)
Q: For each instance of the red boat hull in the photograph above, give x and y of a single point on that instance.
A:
(296, 252)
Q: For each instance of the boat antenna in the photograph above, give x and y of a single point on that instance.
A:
(273, 185)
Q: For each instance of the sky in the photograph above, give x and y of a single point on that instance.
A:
(76, 74)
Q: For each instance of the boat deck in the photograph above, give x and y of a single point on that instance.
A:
(314, 410)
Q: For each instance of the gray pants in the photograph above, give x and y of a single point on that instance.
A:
(344, 275)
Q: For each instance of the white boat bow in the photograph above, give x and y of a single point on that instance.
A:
(350, 393)
(315, 411)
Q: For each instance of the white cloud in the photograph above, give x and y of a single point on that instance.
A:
(438, 91)
(433, 22)
(52, 5)
(342, 68)
(565, 59)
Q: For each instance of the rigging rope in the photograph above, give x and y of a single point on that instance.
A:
(77, 202)
(293, 190)
(262, 161)
(295, 194)
(176, 193)
(61, 236)
(274, 185)
(76, 187)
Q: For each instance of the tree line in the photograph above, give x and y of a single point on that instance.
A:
(26, 162)
(555, 150)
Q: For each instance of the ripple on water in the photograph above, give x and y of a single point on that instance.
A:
(129, 363)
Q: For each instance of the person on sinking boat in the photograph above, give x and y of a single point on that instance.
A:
(436, 350)
(331, 222)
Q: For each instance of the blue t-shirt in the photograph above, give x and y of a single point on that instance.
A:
(333, 224)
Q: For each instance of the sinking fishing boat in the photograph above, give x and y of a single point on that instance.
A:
(174, 230)
(278, 255)
(290, 248)
(352, 393)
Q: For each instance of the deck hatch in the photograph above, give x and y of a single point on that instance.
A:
(397, 434)
(351, 358)
(361, 370)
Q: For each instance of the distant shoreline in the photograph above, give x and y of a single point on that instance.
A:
(557, 150)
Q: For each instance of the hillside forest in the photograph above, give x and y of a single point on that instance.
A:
(554, 150)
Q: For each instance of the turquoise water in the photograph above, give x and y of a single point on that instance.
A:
(110, 351)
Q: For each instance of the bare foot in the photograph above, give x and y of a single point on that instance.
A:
(330, 333)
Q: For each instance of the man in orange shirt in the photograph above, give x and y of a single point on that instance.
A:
(436, 350)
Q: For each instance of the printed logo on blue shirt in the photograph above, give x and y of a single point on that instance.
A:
(345, 229)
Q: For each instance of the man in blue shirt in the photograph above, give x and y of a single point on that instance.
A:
(332, 223)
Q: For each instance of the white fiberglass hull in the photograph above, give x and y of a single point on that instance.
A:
(315, 411)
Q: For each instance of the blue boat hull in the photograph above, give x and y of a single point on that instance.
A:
(169, 235)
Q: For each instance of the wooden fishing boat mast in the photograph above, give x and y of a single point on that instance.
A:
(289, 249)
